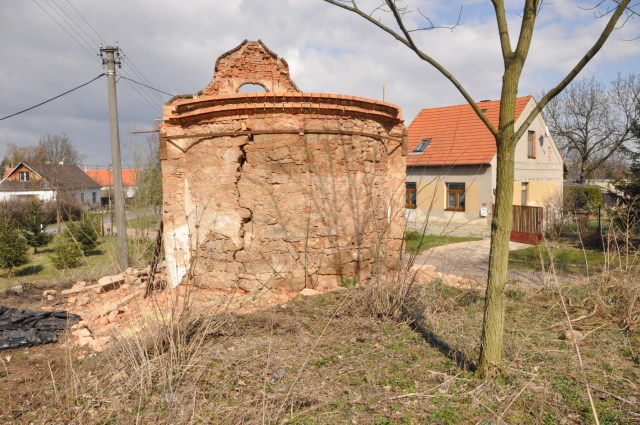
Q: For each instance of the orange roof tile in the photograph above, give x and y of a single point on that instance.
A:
(7, 172)
(104, 177)
(457, 135)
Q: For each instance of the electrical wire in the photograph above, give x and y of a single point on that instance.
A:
(86, 34)
(152, 88)
(155, 101)
(87, 22)
(151, 101)
(129, 61)
(67, 31)
(53, 98)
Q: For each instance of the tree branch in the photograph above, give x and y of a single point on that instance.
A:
(503, 29)
(622, 5)
(407, 41)
(526, 29)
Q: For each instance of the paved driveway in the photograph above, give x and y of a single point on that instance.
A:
(471, 260)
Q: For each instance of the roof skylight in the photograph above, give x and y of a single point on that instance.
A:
(421, 146)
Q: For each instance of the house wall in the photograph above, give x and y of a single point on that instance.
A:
(539, 194)
(15, 175)
(43, 195)
(87, 200)
(430, 214)
(49, 195)
(544, 173)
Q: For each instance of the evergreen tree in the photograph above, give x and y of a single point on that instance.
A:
(65, 254)
(33, 228)
(13, 247)
(84, 233)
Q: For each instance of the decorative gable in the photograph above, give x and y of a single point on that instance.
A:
(250, 63)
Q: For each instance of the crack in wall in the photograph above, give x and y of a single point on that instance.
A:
(244, 221)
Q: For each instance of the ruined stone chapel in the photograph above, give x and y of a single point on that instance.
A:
(279, 190)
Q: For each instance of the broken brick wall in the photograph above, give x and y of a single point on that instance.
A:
(281, 190)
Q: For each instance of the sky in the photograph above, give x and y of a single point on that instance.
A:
(51, 46)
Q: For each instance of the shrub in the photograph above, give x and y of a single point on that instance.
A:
(16, 210)
(579, 198)
(13, 247)
(33, 226)
(84, 233)
(348, 282)
(66, 254)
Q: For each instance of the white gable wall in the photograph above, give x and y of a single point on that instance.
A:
(544, 173)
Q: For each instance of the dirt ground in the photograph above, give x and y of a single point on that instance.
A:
(26, 373)
(336, 358)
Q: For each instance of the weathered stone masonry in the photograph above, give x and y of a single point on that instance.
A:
(279, 190)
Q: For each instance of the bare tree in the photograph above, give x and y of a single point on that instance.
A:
(51, 149)
(592, 122)
(57, 150)
(506, 134)
(149, 178)
(16, 154)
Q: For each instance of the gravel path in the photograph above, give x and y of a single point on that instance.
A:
(471, 260)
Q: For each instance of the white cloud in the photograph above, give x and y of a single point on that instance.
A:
(175, 45)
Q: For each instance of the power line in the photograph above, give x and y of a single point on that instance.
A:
(71, 24)
(155, 101)
(138, 73)
(87, 35)
(151, 101)
(68, 33)
(87, 22)
(152, 88)
(53, 98)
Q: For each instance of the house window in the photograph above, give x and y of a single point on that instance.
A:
(82, 197)
(531, 144)
(411, 201)
(524, 193)
(93, 197)
(24, 176)
(455, 196)
(421, 146)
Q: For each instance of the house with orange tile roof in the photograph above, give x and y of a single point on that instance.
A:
(47, 182)
(104, 177)
(451, 168)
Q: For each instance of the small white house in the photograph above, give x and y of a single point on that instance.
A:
(49, 181)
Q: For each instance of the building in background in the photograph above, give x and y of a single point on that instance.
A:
(104, 177)
(48, 182)
(451, 168)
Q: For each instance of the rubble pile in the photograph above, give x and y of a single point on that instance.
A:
(105, 305)
(116, 305)
(428, 273)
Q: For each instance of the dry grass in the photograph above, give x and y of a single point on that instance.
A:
(392, 352)
(381, 354)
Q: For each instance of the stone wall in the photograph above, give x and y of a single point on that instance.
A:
(280, 190)
(250, 63)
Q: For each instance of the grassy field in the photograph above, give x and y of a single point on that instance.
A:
(567, 259)
(417, 242)
(99, 262)
(144, 222)
(345, 358)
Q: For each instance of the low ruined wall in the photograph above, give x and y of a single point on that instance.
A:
(281, 191)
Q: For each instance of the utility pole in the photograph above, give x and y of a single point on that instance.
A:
(112, 59)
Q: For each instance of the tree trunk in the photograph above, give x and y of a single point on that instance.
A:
(583, 171)
(493, 323)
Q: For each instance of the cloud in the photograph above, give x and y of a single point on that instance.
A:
(174, 46)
